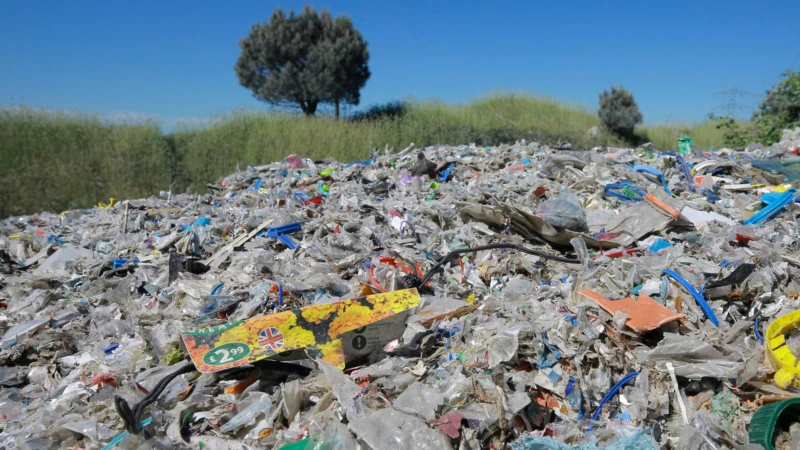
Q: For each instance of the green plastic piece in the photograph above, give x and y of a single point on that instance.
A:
(685, 145)
(766, 419)
(299, 445)
(725, 405)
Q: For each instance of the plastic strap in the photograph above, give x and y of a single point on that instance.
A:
(611, 190)
(697, 297)
(686, 173)
(611, 393)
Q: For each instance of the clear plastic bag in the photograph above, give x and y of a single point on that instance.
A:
(249, 409)
(692, 358)
(389, 428)
(419, 399)
(564, 212)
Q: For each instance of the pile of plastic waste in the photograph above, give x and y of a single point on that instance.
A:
(465, 297)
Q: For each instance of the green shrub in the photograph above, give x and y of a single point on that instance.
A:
(619, 112)
(779, 110)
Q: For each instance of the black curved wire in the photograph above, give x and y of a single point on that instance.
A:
(520, 248)
(131, 418)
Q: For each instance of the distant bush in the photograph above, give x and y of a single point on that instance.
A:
(779, 110)
(736, 134)
(390, 110)
(619, 112)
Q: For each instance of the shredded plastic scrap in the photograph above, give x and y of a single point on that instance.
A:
(464, 297)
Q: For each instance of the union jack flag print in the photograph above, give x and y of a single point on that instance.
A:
(271, 339)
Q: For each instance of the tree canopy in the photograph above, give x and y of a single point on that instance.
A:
(779, 110)
(304, 60)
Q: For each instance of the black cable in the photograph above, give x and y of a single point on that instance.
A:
(520, 248)
(131, 418)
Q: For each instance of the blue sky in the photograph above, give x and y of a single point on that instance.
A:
(174, 59)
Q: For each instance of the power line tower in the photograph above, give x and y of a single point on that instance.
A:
(736, 101)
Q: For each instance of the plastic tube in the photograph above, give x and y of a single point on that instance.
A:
(118, 438)
(697, 297)
(611, 393)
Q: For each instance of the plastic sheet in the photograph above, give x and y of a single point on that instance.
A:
(692, 358)
(564, 212)
(389, 428)
(249, 409)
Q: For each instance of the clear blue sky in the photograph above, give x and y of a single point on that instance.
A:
(174, 59)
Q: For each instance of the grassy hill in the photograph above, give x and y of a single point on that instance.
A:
(53, 161)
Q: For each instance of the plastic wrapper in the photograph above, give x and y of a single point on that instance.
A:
(564, 212)
(389, 428)
(419, 399)
(249, 409)
(692, 358)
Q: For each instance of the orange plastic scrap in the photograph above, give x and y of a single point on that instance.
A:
(644, 314)
(315, 329)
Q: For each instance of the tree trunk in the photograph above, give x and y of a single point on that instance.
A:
(337, 107)
(309, 108)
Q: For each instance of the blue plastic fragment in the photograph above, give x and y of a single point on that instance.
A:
(636, 289)
(280, 294)
(612, 188)
(365, 162)
(302, 196)
(628, 378)
(200, 222)
(759, 336)
(658, 245)
(110, 349)
(772, 197)
(446, 172)
(217, 288)
(686, 173)
(570, 386)
(280, 233)
(544, 361)
(772, 209)
(257, 185)
(572, 320)
(697, 297)
(655, 172)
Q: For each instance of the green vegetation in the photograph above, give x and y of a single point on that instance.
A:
(619, 112)
(56, 161)
(53, 161)
(780, 109)
(303, 60)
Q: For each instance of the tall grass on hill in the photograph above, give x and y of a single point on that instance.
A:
(56, 161)
(52, 161)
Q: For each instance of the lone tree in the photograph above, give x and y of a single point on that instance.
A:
(619, 112)
(304, 60)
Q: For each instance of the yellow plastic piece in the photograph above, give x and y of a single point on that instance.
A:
(783, 188)
(111, 202)
(780, 356)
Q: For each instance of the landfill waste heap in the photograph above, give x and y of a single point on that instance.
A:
(467, 297)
